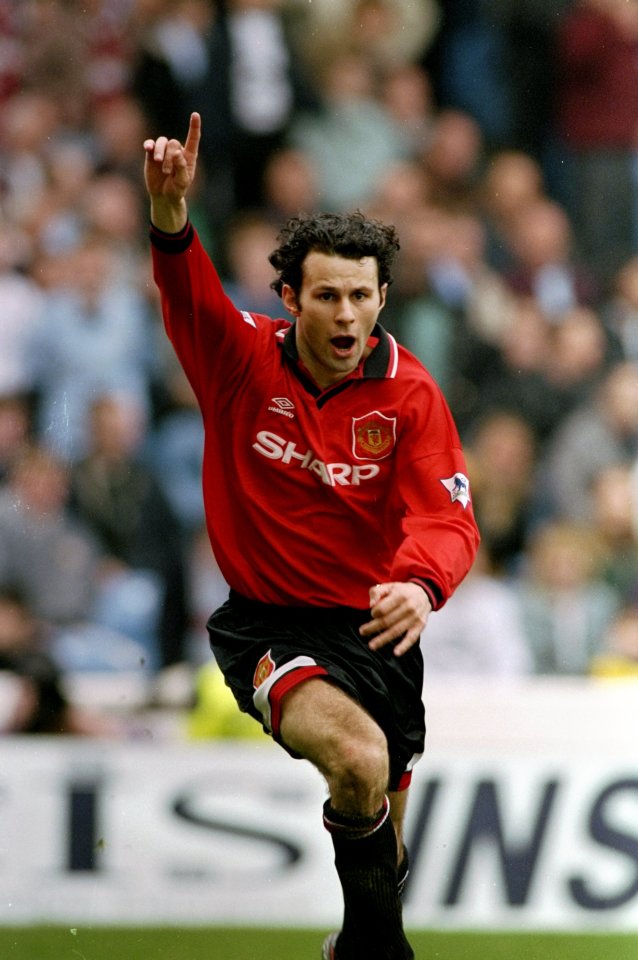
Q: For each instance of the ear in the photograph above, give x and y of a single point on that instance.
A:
(289, 300)
(383, 292)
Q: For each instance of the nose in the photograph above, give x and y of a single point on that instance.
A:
(345, 311)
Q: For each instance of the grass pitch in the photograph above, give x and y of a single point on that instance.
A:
(221, 943)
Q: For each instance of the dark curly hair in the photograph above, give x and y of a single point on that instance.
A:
(350, 235)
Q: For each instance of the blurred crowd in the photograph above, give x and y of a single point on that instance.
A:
(499, 136)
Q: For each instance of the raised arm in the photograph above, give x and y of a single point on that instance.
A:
(169, 170)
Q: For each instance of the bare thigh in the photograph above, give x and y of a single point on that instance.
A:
(321, 723)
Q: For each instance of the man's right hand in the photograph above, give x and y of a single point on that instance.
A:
(169, 171)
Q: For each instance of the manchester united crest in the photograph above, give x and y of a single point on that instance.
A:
(263, 670)
(373, 436)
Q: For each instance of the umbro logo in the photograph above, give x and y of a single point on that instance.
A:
(283, 406)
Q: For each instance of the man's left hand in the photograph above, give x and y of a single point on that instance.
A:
(399, 612)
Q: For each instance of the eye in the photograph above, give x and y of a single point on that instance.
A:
(325, 295)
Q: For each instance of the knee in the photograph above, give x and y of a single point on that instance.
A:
(359, 771)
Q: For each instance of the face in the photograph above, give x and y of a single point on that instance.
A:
(336, 311)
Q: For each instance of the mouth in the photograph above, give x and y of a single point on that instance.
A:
(343, 345)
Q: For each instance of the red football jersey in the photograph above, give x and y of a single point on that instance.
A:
(313, 496)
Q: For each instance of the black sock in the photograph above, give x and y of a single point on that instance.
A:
(366, 861)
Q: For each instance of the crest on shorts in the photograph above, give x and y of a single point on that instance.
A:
(459, 488)
(263, 670)
(373, 436)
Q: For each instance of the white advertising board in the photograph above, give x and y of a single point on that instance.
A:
(523, 814)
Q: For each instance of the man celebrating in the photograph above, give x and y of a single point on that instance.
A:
(338, 509)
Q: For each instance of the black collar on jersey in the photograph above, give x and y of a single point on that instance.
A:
(377, 365)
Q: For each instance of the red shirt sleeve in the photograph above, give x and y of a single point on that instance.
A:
(214, 341)
(440, 535)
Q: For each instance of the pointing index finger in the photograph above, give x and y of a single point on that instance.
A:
(194, 135)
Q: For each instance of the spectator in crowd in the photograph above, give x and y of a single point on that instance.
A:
(502, 458)
(236, 61)
(49, 556)
(510, 373)
(566, 605)
(253, 89)
(579, 356)
(15, 430)
(510, 182)
(545, 264)
(539, 369)
(618, 658)
(58, 220)
(620, 312)
(116, 496)
(427, 327)
(76, 53)
(55, 57)
(463, 300)
(479, 632)
(467, 62)
(401, 194)
(460, 275)
(420, 319)
(174, 448)
(389, 33)
(29, 122)
(406, 94)
(59, 568)
(111, 209)
(529, 65)
(10, 65)
(614, 504)
(171, 57)
(115, 126)
(111, 213)
(97, 337)
(207, 590)
(289, 185)
(452, 160)
(351, 124)
(36, 700)
(598, 433)
(596, 94)
(250, 238)
(21, 317)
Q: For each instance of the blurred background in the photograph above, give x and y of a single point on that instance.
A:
(501, 138)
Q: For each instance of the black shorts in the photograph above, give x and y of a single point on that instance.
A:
(263, 651)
